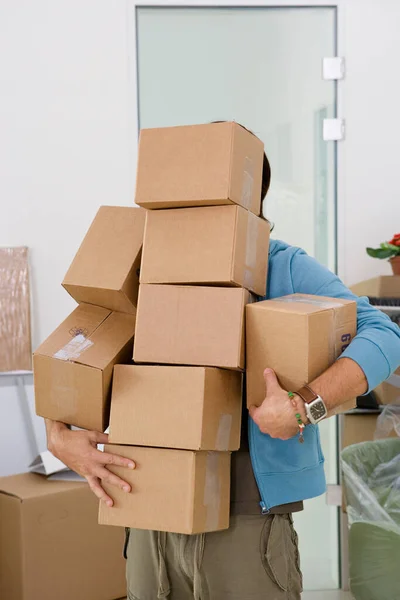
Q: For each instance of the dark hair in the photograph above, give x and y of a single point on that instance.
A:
(266, 173)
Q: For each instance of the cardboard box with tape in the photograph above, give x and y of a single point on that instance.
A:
(188, 325)
(173, 490)
(105, 270)
(73, 367)
(195, 408)
(220, 245)
(199, 165)
(51, 545)
(298, 336)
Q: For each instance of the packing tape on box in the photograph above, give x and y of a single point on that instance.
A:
(303, 299)
(212, 491)
(250, 262)
(394, 380)
(74, 348)
(248, 182)
(223, 433)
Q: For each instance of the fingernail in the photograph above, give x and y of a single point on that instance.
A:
(109, 503)
(131, 465)
(126, 488)
(268, 371)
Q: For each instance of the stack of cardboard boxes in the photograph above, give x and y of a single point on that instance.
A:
(177, 411)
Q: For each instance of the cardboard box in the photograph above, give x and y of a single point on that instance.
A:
(15, 323)
(73, 367)
(298, 336)
(357, 428)
(187, 325)
(199, 165)
(386, 286)
(173, 490)
(194, 408)
(222, 245)
(388, 392)
(51, 545)
(105, 270)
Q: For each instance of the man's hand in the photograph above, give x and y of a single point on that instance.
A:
(78, 450)
(277, 415)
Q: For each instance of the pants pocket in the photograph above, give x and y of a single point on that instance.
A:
(280, 553)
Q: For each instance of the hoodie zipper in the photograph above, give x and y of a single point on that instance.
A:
(265, 509)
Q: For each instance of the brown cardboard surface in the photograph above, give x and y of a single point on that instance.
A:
(359, 428)
(51, 545)
(386, 286)
(172, 490)
(195, 408)
(15, 325)
(199, 165)
(297, 336)
(219, 245)
(188, 325)
(105, 270)
(388, 394)
(73, 367)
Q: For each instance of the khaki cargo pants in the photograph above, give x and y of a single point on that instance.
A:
(257, 558)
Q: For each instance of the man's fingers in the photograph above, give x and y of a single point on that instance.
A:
(94, 484)
(271, 381)
(98, 438)
(112, 479)
(114, 459)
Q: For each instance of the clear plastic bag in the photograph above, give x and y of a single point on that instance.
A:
(371, 480)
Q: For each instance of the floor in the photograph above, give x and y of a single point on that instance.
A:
(335, 595)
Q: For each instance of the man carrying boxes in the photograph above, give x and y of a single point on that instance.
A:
(175, 414)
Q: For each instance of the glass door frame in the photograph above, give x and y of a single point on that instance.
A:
(133, 115)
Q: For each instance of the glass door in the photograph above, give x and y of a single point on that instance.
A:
(261, 67)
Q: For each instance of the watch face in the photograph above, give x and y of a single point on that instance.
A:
(317, 410)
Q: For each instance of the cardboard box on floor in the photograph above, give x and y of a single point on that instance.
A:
(388, 392)
(105, 270)
(386, 286)
(194, 408)
(73, 367)
(223, 245)
(173, 490)
(298, 336)
(199, 165)
(51, 546)
(188, 325)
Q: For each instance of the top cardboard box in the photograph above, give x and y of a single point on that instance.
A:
(105, 270)
(386, 286)
(51, 545)
(199, 165)
(298, 336)
(219, 245)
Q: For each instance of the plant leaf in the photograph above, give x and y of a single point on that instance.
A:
(380, 252)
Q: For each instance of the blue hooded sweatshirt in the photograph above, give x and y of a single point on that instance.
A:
(283, 471)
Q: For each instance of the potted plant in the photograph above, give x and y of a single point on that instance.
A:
(390, 250)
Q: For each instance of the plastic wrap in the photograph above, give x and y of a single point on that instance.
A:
(15, 329)
(371, 479)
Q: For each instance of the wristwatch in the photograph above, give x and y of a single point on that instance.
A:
(315, 406)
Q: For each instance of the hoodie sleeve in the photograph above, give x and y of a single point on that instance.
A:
(376, 347)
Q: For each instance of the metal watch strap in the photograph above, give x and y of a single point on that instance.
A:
(307, 394)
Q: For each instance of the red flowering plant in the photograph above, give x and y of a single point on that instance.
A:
(387, 249)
